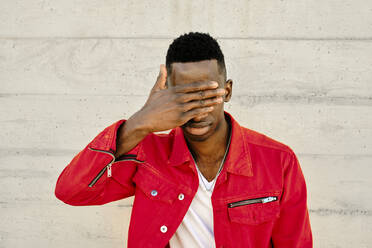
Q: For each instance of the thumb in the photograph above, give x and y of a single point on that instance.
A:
(161, 80)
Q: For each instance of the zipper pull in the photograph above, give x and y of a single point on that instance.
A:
(109, 170)
(269, 199)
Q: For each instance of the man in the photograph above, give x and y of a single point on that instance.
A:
(208, 183)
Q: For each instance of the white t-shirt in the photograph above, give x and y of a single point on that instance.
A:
(196, 228)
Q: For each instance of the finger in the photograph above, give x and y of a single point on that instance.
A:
(197, 112)
(201, 103)
(196, 86)
(161, 80)
(203, 94)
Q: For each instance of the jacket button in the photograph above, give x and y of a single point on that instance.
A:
(154, 192)
(163, 229)
(181, 197)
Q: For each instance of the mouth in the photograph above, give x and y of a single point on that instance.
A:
(199, 128)
(198, 124)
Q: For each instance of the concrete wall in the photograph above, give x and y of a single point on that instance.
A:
(302, 74)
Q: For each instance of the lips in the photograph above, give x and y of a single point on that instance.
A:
(199, 128)
(198, 124)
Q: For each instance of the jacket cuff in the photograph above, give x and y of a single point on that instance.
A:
(106, 140)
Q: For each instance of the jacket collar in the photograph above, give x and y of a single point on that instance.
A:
(238, 160)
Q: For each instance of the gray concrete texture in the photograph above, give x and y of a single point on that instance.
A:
(302, 74)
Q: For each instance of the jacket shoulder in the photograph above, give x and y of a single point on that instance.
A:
(259, 139)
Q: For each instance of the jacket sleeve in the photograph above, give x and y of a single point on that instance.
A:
(93, 177)
(292, 229)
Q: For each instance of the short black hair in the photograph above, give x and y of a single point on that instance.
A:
(194, 47)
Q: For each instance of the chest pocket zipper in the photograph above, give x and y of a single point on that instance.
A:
(254, 211)
(252, 201)
(128, 157)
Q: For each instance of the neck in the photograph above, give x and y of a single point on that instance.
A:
(212, 148)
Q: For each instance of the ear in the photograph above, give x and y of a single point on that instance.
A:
(228, 88)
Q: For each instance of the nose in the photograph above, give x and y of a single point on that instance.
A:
(199, 118)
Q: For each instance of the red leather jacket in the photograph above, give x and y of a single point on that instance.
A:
(259, 199)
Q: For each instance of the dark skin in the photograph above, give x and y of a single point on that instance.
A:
(192, 97)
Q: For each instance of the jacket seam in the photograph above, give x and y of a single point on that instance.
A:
(287, 150)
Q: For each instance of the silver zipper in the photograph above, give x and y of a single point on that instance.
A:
(108, 167)
(252, 201)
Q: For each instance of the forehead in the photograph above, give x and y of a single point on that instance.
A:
(205, 70)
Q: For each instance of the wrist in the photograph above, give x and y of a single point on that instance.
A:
(136, 124)
(130, 133)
